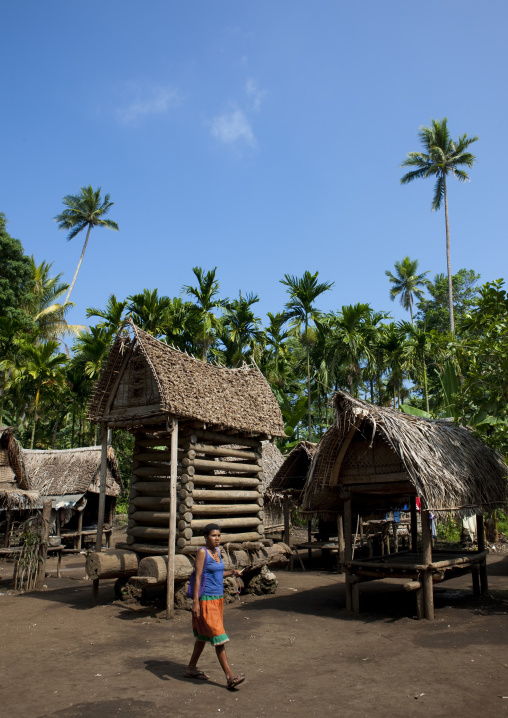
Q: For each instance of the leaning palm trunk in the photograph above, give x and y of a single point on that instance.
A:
(79, 265)
(448, 260)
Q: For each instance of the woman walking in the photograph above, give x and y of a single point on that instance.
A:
(207, 620)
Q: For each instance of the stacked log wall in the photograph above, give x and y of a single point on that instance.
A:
(216, 483)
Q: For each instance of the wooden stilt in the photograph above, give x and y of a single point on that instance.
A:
(46, 518)
(340, 538)
(285, 507)
(8, 519)
(309, 539)
(414, 524)
(426, 577)
(78, 541)
(476, 581)
(420, 613)
(480, 531)
(170, 584)
(348, 551)
(102, 500)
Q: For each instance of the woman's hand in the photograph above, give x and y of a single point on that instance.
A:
(196, 609)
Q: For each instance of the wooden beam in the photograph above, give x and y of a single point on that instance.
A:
(414, 524)
(480, 532)
(426, 578)
(340, 536)
(170, 583)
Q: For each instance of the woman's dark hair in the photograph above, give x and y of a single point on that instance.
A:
(209, 528)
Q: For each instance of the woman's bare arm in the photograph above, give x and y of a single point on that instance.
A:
(198, 567)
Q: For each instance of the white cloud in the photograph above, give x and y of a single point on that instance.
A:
(255, 93)
(233, 126)
(145, 99)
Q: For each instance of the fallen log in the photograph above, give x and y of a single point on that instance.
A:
(111, 565)
(155, 567)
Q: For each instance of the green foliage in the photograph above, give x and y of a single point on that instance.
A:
(433, 312)
(15, 276)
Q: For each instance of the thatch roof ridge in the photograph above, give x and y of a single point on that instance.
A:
(238, 399)
(9, 443)
(54, 472)
(449, 466)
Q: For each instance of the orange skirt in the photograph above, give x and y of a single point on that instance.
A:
(209, 627)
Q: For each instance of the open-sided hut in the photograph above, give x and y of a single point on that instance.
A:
(15, 497)
(70, 478)
(287, 485)
(196, 424)
(378, 458)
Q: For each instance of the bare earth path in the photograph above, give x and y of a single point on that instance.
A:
(301, 653)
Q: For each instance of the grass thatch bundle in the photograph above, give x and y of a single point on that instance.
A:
(446, 464)
(55, 472)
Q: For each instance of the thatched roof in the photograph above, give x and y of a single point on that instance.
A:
(12, 471)
(445, 464)
(19, 499)
(144, 377)
(272, 461)
(70, 471)
(293, 472)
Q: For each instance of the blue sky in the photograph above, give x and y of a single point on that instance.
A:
(261, 137)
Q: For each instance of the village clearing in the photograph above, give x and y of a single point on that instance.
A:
(301, 653)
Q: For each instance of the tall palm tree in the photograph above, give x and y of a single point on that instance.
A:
(406, 283)
(442, 156)
(84, 210)
(303, 292)
(149, 311)
(206, 299)
(241, 330)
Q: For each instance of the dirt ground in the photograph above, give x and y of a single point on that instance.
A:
(302, 654)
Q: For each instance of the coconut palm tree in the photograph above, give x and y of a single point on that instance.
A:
(303, 292)
(406, 283)
(84, 210)
(442, 156)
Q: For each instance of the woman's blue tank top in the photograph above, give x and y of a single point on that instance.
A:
(214, 576)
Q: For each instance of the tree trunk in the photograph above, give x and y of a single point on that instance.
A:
(308, 377)
(79, 265)
(425, 387)
(448, 260)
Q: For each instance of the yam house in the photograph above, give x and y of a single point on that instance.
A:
(378, 459)
(198, 432)
(70, 478)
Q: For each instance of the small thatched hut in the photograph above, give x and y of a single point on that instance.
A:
(15, 496)
(287, 485)
(70, 477)
(379, 458)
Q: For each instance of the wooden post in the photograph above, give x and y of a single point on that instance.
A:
(480, 532)
(285, 508)
(309, 539)
(348, 551)
(170, 584)
(102, 499)
(46, 518)
(476, 581)
(8, 519)
(426, 577)
(78, 539)
(340, 539)
(414, 524)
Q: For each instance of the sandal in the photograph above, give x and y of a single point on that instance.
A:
(234, 682)
(199, 676)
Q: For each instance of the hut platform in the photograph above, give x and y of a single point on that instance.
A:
(413, 567)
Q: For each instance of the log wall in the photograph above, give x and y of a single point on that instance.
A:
(217, 483)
